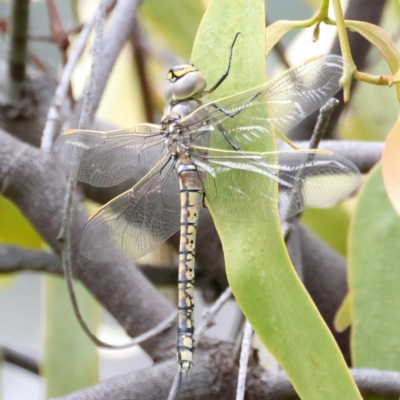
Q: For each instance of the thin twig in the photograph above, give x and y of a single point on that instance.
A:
(17, 55)
(237, 332)
(139, 58)
(15, 259)
(87, 115)
(363, 154)
(175, 386)
(20, 360)
(120, 27)
(244, 359)
(64, 236)
(210, 313)
(54, 119)
(65, 233)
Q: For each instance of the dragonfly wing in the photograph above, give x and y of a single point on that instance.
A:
(137, 221)
(302, 90)
(305, 179)
(106, 159)
(282, 102)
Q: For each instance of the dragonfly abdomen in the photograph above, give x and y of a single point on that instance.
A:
(191, 193)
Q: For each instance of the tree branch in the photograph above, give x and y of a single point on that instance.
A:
(215, 378)
(370, 382)
(15, 259)
(35, 183)
(54, 115)
(20, 360)
(363, 154)
(120, 28)
(17, 55)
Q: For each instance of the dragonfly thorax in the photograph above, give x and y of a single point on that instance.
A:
(175, 122)
(184, 82)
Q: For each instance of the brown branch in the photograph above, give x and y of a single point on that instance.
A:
(139, 58)
(27, 123)
(215, 377)
(370, 382)
(16, 259)
(19, 359)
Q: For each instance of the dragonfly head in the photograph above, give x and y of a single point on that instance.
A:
(184, 82)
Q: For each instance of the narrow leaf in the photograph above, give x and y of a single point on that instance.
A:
(343, 318)
(258, 267)
(15, 228)
(275, 32)
(330, 224)
(71, 359)
(382, 41)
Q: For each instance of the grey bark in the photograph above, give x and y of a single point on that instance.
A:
(34, 182)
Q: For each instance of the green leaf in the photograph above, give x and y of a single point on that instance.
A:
(259, 270)
(330, 224)
(382, 41)
(71, 359)
(176, 21)
(15, 228)
(343, 318)
(275, 32)
(374, 278)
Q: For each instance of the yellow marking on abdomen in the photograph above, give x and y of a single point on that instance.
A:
(191, 197)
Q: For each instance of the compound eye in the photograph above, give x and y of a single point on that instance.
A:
(184, 83)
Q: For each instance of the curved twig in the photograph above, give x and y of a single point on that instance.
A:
(244, 360)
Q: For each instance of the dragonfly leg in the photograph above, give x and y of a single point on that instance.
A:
(227, 137)
(226, 73)
(231, 114)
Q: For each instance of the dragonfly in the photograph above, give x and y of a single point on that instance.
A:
(176, 168)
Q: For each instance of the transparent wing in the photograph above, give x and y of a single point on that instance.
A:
(137, 221)
(305, 179)
(289, 98)
(106, 159)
